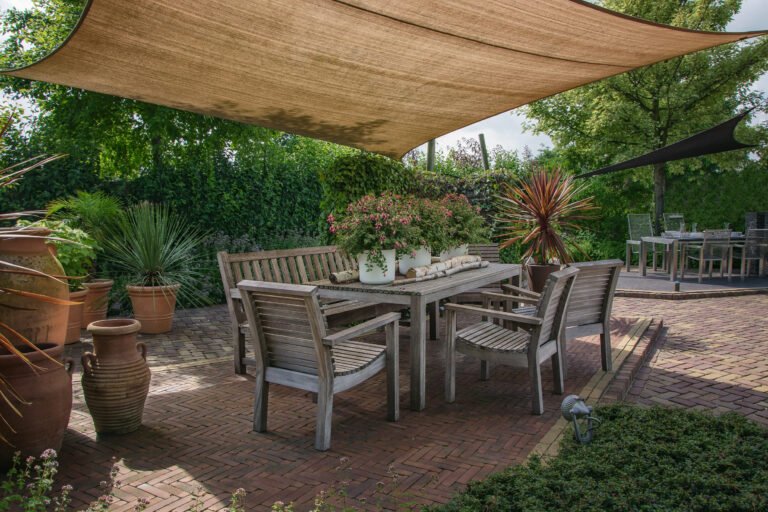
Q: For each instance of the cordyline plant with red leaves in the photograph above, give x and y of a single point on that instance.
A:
(542, 212)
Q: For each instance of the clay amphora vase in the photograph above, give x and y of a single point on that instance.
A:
(47, 402)
(153, 306)
(74, 318)
(37, 320)
(116, 377)
(97, 300)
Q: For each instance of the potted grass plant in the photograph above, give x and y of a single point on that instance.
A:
(154, 249)
(542, 211)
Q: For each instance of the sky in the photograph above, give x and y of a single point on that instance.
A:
(507, 129)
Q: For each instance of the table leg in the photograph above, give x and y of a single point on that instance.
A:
(434, 317)
(418, 353)
(643, 254)
(673, 264)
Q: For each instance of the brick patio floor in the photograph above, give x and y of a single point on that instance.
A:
(197, 430)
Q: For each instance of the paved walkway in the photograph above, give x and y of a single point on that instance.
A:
(197, 430)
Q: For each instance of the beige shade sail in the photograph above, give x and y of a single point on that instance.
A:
(384, 76)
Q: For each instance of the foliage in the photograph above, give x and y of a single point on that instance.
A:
(374, 224)
(542, 211)
(356, 174)
(432, 223)
(646, 109)
(153, 247)
(640, 459)
(93, 212)
(465, 225)
(75, 249)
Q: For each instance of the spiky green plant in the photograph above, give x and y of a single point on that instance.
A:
(93, 212)
(542, 211)
(152, 246)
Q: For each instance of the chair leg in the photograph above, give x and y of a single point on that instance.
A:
(434, 311)
(743, 264)
(653, 255)
(393, 372)
(628, 256)
(538, 397)
(324, 417)
(702, 265)
(238, 346)
(606, 357)
(260, 401)
(485, 370)
(450, 356)
(557, 370)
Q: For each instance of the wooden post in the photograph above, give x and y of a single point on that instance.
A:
(431, 155)
(484, 151)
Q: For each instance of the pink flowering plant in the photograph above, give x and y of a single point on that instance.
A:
(374, 224)
(465, 225)
(433, 220)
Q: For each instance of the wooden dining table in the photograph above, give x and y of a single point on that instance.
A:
(418, 296)
(677, 244)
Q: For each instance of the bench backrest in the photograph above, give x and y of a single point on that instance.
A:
(489, 252)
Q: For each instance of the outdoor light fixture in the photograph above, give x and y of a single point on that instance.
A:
(576, 410)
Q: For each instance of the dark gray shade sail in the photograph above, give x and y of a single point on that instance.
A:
(714, 140)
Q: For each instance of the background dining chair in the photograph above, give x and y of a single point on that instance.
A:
(293, 349)
(716, 247)
(640, 225)
(754, 248)
(537, 340)
(673, 221)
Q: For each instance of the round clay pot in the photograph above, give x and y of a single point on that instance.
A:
(115, 376)
(47, 401)
(36, 320)
(153, 306)
(97, 300)
(538, 274)
(74, 322)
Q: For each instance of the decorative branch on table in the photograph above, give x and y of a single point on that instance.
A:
(417, 274)
(442, 266)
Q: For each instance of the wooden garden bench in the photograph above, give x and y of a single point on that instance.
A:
(291, 266)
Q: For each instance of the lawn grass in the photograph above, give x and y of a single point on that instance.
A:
(644, 459)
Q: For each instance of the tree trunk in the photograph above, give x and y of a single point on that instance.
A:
(659, 188)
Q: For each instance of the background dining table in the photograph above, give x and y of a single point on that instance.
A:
(677, 242)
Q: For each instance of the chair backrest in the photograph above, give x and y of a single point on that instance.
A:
(716, 242)
(755, 243)
(639, 225)
(553, 303)
(756, 220)
(489, 252)
(673, 221)
(592, 294)
(288, 325)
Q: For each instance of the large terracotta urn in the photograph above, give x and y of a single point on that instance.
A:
(116, 376)
(154, 306)
(44, 401)
(37, 320)
(96, 301)
(75, 316)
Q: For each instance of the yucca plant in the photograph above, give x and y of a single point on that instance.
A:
(542, 211)
(152, 246)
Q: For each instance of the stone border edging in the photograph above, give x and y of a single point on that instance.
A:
(699, 294)
(606, 387)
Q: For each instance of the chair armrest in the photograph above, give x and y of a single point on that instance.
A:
(513, 298)
(520, 291)
(365, 327)
(235, 293)
(501, 315)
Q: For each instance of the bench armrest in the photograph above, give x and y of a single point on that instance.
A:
(501, 315)
(365, 327)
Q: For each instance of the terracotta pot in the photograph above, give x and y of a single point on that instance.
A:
(47, 393)
(538, 274)
(116, 377)
(36, 320)
(153, 306)
(97, 300)
(74, 323)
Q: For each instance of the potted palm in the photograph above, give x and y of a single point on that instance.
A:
(542, 211)
(372, 230)
(154, 249)
(465, 225)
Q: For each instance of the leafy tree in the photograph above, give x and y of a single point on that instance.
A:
(649, 108)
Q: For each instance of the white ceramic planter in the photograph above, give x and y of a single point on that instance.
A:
(407, 262)
(376, 275)
(453, 252)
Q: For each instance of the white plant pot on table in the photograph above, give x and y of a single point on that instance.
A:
(373, 274)
(422, 258)
(454, 252)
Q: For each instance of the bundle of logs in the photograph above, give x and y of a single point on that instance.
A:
(418, 274)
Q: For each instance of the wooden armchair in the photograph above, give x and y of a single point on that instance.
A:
(715, 248)
(538, 338)
(293, 348)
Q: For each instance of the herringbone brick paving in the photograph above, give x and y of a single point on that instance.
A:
(714, 357)
(197, 430)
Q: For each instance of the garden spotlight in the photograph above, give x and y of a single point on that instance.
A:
(575, 409)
